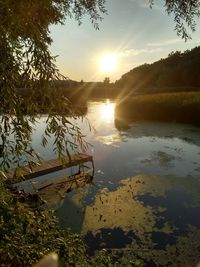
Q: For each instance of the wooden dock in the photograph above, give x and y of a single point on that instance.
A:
(49, 166)
(54, 193)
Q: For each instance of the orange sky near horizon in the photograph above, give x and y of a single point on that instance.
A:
(131, 31)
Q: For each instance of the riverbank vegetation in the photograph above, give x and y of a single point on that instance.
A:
(173, 107)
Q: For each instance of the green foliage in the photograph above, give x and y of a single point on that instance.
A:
(28, 234)
(178, 72)
(27, 64)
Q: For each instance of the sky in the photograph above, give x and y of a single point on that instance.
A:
(132, 31)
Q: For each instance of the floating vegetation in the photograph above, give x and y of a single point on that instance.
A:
(164, 159)
(156, 218)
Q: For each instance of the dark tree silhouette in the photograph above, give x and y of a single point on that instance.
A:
(178, 72)
(106, 80)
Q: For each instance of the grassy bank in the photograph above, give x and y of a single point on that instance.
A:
(173, 107)
(28, 233)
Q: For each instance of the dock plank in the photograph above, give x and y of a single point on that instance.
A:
(52, 165)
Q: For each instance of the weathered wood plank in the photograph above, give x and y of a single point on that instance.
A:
(53, 193)
(53, 165)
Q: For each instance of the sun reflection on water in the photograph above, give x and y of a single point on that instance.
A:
(107, 111)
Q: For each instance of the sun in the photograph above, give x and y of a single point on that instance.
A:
(108, 63)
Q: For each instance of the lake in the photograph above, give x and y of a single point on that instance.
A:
(144, 198)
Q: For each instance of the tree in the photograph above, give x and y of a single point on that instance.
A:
(26, 64)
(106, 80)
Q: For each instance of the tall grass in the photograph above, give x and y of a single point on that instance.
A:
(181, 107)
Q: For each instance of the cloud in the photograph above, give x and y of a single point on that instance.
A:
(146, 4)
(165, 43)
(141, 3)
(172, 42)
(136, 52)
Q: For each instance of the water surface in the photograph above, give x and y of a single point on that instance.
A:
(144, 197)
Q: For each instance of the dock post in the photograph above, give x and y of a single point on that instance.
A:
(93, 169)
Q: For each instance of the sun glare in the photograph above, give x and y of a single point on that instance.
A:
(108, 63)
(107, 111)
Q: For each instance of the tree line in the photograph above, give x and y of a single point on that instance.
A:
(178, 72)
